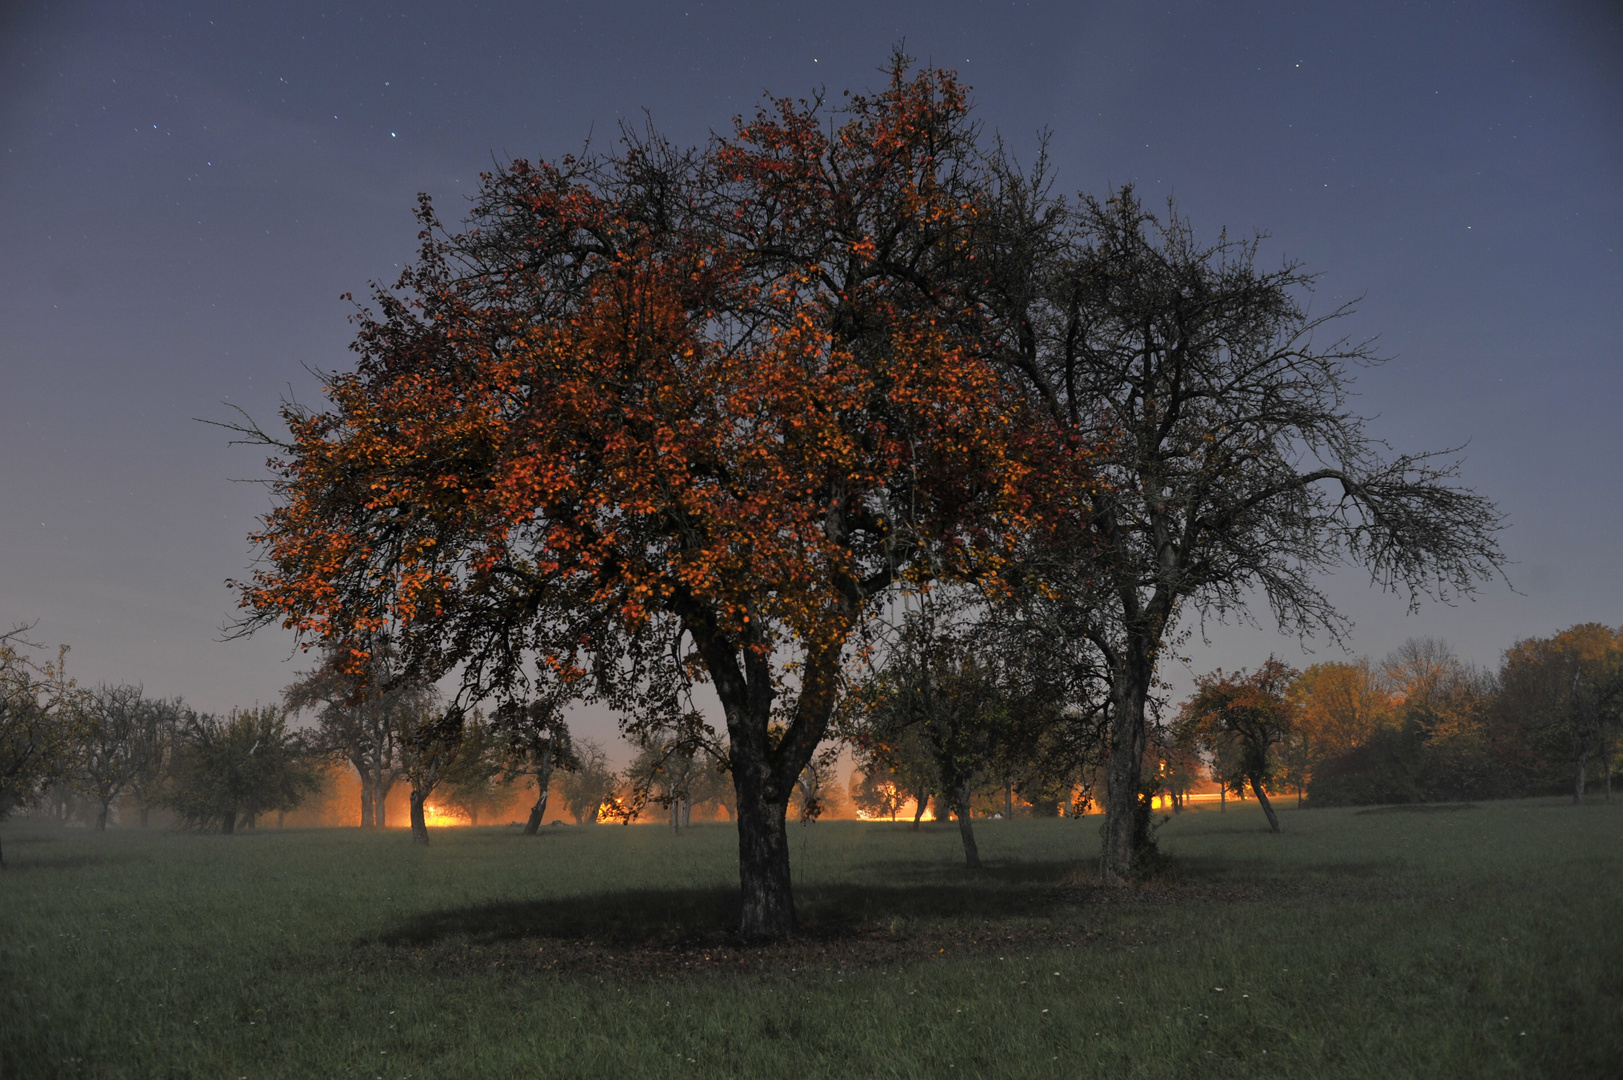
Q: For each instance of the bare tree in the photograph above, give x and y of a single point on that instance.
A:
(590, 785)
(1227, 463)
(106, 725)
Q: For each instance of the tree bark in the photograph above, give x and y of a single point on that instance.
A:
(543, 785)
(1267, 807)
(972, 854)
(101, 818)
(366, 800)
(763, 865)
(1126, 828)
(419, 827)
(920, 799)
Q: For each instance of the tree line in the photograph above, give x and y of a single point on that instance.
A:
(1420, 727)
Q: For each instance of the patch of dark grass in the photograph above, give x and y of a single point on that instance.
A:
(1418, 808)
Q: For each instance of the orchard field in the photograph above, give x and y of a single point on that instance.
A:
(1427, 941)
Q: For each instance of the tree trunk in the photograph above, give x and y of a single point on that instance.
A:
(228, 822)
(919, 802)
(419, 827)
(763, 865)
(1008, 799)
(1582, 778)
(380, 804)
(687, 812)
(1126, 829)
(101, 818)
(543, 784)
(1222, 795)
(366, 801)
(972, 854)
(1267, 807)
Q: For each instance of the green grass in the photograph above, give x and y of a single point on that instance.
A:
(1485, 942)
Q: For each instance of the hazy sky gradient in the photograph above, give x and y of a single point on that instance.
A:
(187, 189)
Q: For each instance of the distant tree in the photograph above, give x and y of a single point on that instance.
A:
(106, 727)
(431, 743)
(1180, 769)
(1229, 467)
(157, 731)
(1337, 706)
(478, 780)
(875, 792)
(361, 701)
(937, 686)
(815, 787)
(677, 775)
(228, 771)
(536, 743)
(1252, 714)
(1567, 690)
(33, 735)
(590, 785)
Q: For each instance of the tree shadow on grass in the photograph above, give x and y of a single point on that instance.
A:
(668, 917)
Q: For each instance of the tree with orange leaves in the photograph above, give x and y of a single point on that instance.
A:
(1253, 713)
(665, 416)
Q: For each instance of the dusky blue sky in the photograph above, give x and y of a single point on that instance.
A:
(187, 189)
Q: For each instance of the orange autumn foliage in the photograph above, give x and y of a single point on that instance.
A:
(729, 397)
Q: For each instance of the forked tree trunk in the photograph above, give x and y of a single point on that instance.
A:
(1267, 807)
(419, 827)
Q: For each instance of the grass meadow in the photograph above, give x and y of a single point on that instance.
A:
(1481, 941)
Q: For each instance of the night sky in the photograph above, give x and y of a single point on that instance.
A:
(187, 189)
